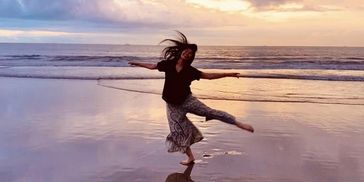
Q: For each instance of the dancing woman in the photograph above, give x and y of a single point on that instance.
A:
(179, 74)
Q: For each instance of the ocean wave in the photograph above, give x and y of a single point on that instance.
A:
(283, 99)
(307, 77)
(207, 62)
(17, 57)
(41, 60)
(356, 58)
(112, 73)
(298, 77)
(78, 77)
(95, 58)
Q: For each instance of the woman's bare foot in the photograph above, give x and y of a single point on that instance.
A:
(187, 162)
(190, 156)
(245, 126)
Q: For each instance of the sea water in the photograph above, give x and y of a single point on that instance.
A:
(314, 67)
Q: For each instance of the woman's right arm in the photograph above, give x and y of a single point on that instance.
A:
(150, 66)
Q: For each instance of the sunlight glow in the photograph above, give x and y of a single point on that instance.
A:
(4, 32)
(283, 12)
(291, 6)
(281, 16)
(227, 5)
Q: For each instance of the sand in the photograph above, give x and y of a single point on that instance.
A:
(76, 130)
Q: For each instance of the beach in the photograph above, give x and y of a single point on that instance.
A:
(81, 85)
(85, 130)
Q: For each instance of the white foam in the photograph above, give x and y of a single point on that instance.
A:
(93, 73)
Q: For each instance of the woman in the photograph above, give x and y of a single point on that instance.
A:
(177, 94)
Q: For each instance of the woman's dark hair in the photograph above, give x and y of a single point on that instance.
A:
(174, 51)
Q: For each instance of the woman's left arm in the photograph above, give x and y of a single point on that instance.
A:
(211, 76)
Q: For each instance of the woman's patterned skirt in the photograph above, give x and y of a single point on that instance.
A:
(183, 132)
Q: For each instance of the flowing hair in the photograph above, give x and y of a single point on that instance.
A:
(174, 51)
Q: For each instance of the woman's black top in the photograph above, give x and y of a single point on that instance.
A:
(177, 84)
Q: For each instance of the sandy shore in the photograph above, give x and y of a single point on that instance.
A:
(75, 130)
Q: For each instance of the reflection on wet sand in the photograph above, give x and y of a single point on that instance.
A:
(181, 177)
(76, 131)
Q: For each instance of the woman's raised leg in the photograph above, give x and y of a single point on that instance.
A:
(194, 106)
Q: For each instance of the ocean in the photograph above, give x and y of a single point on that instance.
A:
(328, 75)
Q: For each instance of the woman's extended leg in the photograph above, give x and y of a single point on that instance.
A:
(190, 156)
(194, 106)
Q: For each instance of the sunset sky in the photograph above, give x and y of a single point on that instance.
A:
(205, 22)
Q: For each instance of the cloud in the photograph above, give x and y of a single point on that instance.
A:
(33, 33)
(226, 5)
(292, 6)
(268, 3)
(35, 9)
(104, 12)
(250, 22)
(113, 13)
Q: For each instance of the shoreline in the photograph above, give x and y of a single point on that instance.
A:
(104, 71)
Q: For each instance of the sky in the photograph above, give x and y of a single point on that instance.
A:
(205, 22)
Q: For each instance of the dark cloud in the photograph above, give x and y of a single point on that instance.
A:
(62, 10)
(268, 3)
(76, 15)
(47, 9)
(36, 9)
(109, 15)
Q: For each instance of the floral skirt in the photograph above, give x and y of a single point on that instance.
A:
(183, 132)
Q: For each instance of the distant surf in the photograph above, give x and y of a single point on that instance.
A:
(245, 62)
(119, 73)
(336, 74)
(208, 57)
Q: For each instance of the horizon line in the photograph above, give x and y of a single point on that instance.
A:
(203, 45)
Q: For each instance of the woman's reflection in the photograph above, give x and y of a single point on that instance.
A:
(181, 177)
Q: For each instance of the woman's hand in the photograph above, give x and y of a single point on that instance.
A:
(233, 75)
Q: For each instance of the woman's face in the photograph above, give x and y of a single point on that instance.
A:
(187, 54)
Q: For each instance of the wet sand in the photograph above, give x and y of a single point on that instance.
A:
(76, 130)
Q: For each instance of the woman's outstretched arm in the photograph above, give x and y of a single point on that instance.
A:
(150, 66)
(211, 76)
